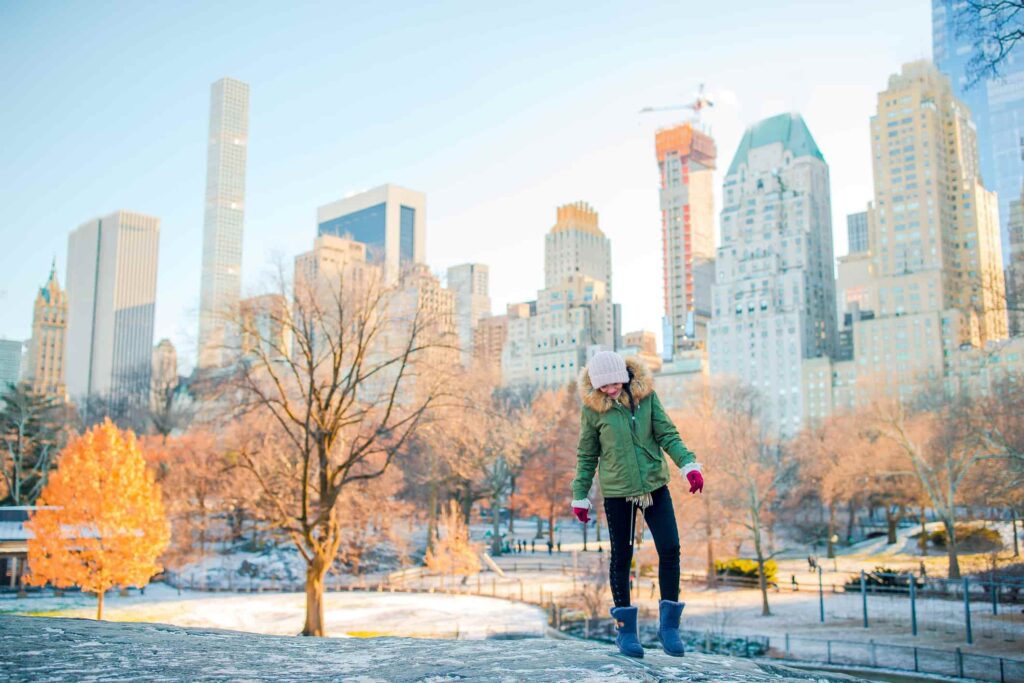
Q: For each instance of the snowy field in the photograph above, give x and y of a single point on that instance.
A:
(357, 614)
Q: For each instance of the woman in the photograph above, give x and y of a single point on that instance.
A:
(623, 431)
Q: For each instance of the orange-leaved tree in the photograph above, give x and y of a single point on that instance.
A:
(101, 520)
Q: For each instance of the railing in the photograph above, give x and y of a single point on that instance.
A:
(833, 652)
(901, 657)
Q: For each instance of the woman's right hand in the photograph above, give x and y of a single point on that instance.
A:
(581, 508)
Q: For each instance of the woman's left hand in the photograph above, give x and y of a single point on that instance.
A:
(696, 480)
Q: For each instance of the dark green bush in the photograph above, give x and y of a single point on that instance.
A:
(883, 577)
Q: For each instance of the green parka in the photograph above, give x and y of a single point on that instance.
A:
(627, 448)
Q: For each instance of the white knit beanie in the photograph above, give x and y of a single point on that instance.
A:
(607, 367)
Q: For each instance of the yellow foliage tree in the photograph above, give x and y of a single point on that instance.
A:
(102, 523)
(453, 553)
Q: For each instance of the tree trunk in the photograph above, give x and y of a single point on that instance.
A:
(540, 523)
(495, 527)
(551, 527)
(830, 549)
(891, 517)
(851, 518)
(597, 526)
(584, 538)
(512, 508)
(466, 499)
(709, 530)
(954, 561)
(762, 579)
(1016, 544)
(432, 516)
(315, 572)
(922, 540)
(99, 605)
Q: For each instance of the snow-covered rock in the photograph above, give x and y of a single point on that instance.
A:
(38, 648)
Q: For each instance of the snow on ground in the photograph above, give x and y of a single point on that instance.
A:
(69, 649)
(358, 613)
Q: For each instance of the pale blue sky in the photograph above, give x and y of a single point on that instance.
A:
(499, 114)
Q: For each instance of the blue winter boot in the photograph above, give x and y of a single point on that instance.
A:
(668, 627)
(625, 624)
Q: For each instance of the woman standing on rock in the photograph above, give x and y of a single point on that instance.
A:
(623, 431)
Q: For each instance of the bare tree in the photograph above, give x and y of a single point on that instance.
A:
(934, 435)
(171, 407)
(336, 405)
(32, 434)
(550, 456)
(711, 515)
(754, 463)
(994, 27)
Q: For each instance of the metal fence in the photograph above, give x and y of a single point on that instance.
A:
(901, 657)
(955, 663)
(970, 610)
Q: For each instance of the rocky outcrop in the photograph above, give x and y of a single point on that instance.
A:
(38, 648)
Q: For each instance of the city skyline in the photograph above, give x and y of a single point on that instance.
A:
(490, 166)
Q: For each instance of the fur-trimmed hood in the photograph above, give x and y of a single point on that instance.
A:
(641, 385)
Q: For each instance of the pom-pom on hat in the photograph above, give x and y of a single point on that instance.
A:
(607, 367)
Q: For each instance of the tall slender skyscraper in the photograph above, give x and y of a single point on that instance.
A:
(223, 220)
(774, 298)
(996, 105)
(686, 163)
(112, 264)
(45, 370)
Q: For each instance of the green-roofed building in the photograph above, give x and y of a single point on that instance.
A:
(789, 130)
(773, 303)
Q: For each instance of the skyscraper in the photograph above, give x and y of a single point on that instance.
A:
(932, 278)
(686, 164)
(112, 265)
(935, 234)
(774, 297)
(468, 282)
(45, 369)
(857, 232)
(266, 331)
(223, 220)
(164, 377)
(1015, 268)
(389, 220)
(549, 340)
(996, 106)
(576, 246)
(10, 363)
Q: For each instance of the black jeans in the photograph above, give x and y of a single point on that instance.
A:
(661, 520)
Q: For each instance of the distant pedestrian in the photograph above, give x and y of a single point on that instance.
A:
(533, 545)
(812, 563)
(626, 435)
(924, 570)
(549, 546)
(559, 546)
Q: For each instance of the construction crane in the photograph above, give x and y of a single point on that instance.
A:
(699, 103)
